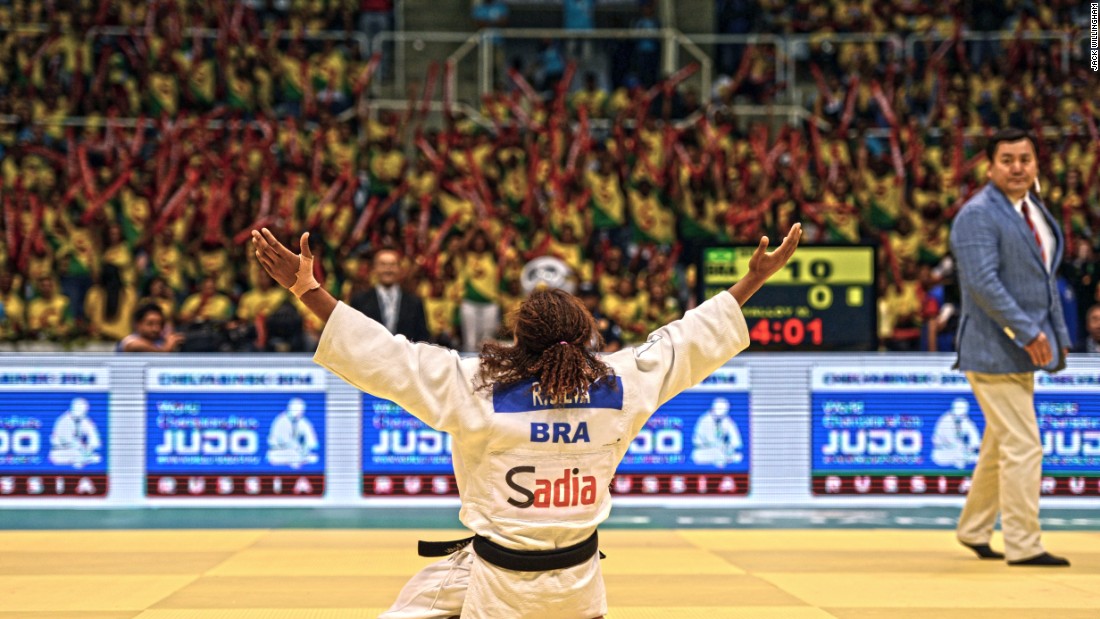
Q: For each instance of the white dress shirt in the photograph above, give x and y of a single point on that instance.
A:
(389, 299)
(1046, 235)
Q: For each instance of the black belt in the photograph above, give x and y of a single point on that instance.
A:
(517, 560)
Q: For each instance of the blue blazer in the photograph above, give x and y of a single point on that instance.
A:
(1008, 296)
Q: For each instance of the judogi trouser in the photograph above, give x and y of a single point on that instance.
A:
(436, 592)
(464, 585)
(1010, 466)
(479, 322)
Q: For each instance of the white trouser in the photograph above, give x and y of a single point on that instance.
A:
(479, 322)
(435, 592)
(1010, 466)
(463, 585)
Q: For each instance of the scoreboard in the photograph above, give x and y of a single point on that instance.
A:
(823, 299)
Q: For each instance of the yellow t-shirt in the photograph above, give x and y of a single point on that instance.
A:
(513, 187)
(627, 312)
(77, 251)
(331, 71)
(421, 184)
(905, 248)
(202, 80)
(898, 305)
(135, 214)
(607, 197)
(291, 70)
(660, 312)
(15, 317)
(570, 253)
(479, 271)
(593, 101)
(440, 313)
(449, 204)
(53, 317)
(241, 92)
(120, 256)
(341, 154)
(217, 307)
(653, 147)
(567, 214)
(95, 309)
(651, 217)
(386, 166)
(164, 93)
(216, 263)
(264, 88)
(168, 261)
(260, 302)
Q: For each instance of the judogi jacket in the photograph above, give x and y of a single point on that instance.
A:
(532, 477)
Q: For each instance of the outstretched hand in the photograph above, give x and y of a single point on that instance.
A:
(764, 263)
(280, 263)
(293, 272)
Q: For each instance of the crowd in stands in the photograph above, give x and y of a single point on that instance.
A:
(186, 142)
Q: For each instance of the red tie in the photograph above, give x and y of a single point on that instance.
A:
(1027, 217)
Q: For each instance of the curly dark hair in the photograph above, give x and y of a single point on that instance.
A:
(553, 333)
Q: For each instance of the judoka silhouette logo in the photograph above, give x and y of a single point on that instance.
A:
(75, 438)
(716, 439)
(292, 439)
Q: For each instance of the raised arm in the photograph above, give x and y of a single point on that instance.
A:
(293, 272)
(685, 351)
(763, 264)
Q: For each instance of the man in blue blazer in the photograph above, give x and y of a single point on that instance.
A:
(1007, 248)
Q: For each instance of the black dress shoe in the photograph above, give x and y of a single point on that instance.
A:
(1046, 559)
(984, 551)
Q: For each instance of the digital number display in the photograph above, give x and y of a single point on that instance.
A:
(823, 299)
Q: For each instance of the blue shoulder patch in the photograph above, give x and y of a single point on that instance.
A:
(524, 397)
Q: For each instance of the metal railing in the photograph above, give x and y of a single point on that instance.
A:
(419, 42)
(1083, 44)
(769, 40)
(1004, 35)
(668, 37)
(27, 28)
(796, 45)
(436, 107)
(706, 65)
(671, 42)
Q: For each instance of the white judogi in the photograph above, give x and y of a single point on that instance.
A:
(531, 477)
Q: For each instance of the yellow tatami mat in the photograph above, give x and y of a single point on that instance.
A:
(666, 574)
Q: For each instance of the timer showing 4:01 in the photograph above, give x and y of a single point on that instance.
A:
(824, 299)
(789, 332)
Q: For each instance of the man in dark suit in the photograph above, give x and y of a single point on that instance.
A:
(1008, 248)
(1091, 341)
(400, 311)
